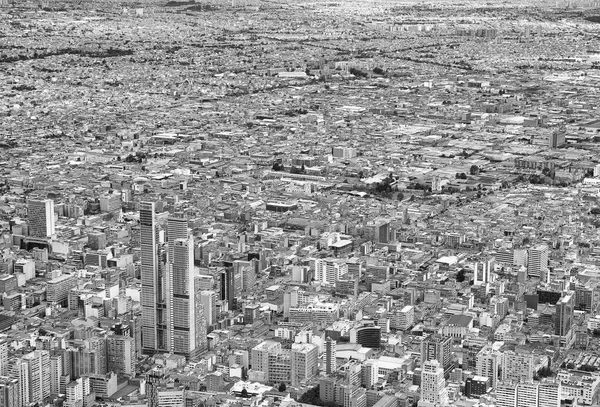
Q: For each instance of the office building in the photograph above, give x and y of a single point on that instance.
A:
(483, 270)
(328, 271)
(270, 363)
(305, 362)
(476, 386)
(404, 318)
(182, 298)
(57, 289)
(330, 355)
(208, 299)
(41, 218)
(537, 260)
(155, 332)
(367, 335)
(439, 348)
(565, 308)
(227, 287)
(433, 384)
(251, 313)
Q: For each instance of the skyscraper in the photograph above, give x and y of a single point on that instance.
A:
(155, 333)
(41, 217)
(182, 297)
(227, 287)
(564, 313)
(330, 355)
(433, 384)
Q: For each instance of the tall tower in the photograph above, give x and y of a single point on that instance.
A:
(41, 217)
(227, 288)
(182, 297)
(433, 384)
(564, 313)
(155, 335)
(330, 355)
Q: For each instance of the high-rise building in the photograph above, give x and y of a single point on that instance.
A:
(3, 356)
(76, 391)
(120, 351)
(439, 348)
(483, 270)
(433, 384)
(565, 308)
(41, 218)
(155, 332)
(537, 260)
(488, 364)
(182, 297)
(328, 271)
(33, 373)
(370, 373)
(517, 366)
(208, 299)
(153, 381)
(9, 392)
(330, 356)
(56, 371)
(305, 362)
(227, 287)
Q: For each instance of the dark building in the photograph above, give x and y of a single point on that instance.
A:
(548, 296)
(153, 380)
(476, 386)
(368, 335)
(531, 300)
(227, 287)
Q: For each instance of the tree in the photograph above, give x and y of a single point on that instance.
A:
(474, 170)
(460, 276)
(244, 393)
(281, 387)
(545, 372)
(277, 167)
